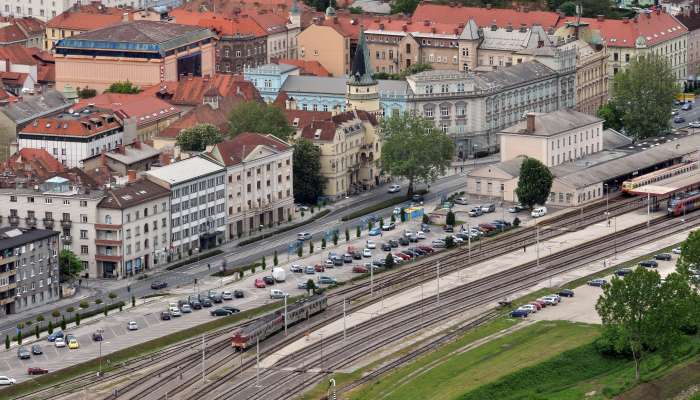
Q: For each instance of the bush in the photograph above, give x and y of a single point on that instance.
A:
(84, 304)
(275, 261)
(449, 242)
(70, 310)
(91, 313)
(77, 319)
(7, 342)
(263, 263)
(63, 323)
(112, 295)
(36, 331)
(516, 222)
(55, 313)
(202, 256)
(311, 247)
(19, 337)
(98, 301)
(347, 234)
(300, 251)
(450, 218)
(389, 260)
(105, 310)
(49, 329)
(358, 231)
(133, 301)
(40, 318)
(323, 243)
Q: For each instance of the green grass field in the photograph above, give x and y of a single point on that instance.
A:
(468, 370)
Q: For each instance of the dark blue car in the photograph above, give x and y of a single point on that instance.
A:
(52, 337)
(519, 313)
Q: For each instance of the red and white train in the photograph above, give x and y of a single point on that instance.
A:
(630, 185)
(683, 203)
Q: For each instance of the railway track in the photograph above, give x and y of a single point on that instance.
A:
(285, 380)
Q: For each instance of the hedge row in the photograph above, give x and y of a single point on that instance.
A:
(242, 269)
(318, 215)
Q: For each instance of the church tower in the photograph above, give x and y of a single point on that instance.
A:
(361, 88)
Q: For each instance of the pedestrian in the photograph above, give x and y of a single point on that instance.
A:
(524, 249)
(80, 282)
(209, 266)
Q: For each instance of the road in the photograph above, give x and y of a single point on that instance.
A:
(690, 115)
(236, 256)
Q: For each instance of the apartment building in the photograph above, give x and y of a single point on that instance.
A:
(259, 181)
(330, 41)
(553, 138)
(133, 230)
(29, 271)
(197, 202)
(56, 204)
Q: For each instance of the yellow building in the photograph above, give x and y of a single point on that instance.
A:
(328, 42)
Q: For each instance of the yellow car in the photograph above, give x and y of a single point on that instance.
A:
(73, 344)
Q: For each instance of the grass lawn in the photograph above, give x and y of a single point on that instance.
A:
(487, 363)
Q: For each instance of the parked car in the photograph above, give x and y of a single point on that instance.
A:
(309, 270)
(378, 262)
(488, 208)
(623, 271)
(687, 106)
(370, 244)
(516, 208)
(403, 241)
(347, 258)
(366, 253)
(232, 310)
(327, 280)
(393, 243)
(296, 268)
(73, 343)
(37, 371)
(207, 303)
(220, 312)
(462, 201)
(663, 257)
(157, 285)
(403, 256)
(23, 353)
(302, 236)
(238, 294)
(597, 282)
(36, 349)
(269, 280)
(165, 316)
(475, 212)
(417, 198)
(538, 212)
(676, 250)
(359, 269)
(694, 124)
(302, 285)
(566, 293)
(529, 308)
(519, 313)
(386, 247)
(648, 264)
(394, 188)
(277, 294)
(260, 283)
(389, 226)
(448, 228)
(375, 232)
(57, 334)
(59, 342)
(678, 119)
(439, 243)
(226, 295)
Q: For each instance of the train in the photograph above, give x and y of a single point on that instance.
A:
(630, 185)
(246, 336)
(683, 203)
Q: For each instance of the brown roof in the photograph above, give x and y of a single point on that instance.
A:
(350, 115)
(46, 73)
(235, 150)
(146, 108)
(457, 14)
(228, 26)
(306, 67)
(18, 54)
(319, 130)
(133, 194)
(32, 162)
(85, 125)
(11, 33)
(203, 114)
(87, 17)
(189, 90)
(300, 118)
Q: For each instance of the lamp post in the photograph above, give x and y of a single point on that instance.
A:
(607, 202)
(99, 370)
(475, 146)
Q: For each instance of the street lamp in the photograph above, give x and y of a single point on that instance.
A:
(475, 146)
(99, 370)
(607, 202)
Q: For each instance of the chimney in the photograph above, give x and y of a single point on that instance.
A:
(131, 174)
(404, 28)
(530, 122)
(433, 30)
(426, 22)
(120, 149)
(381, 27)
(523, 28)
(103, 158)
(509, 27)
(600, 17)
(137, 144)
(488, 6)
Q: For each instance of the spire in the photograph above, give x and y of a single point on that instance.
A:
(330, 11)
(361, 72)
(295, 8)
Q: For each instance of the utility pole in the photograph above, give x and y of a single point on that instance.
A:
(538, 246)
(204, 374)
(421, 305)
(371, 280)
(285, 315)
(344, 332)
(257, 361)
(648, 210)
(438, 283)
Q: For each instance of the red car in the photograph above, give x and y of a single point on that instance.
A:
(37, 371)
(359, 269)
(487, 227)
(540, 302)
(259, 283)
(426, 249)
(403, 256)
(319, 268)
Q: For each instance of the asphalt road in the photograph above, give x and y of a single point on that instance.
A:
(236, 256)
(690, 116)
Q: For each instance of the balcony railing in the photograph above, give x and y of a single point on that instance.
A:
(67, 239)
(48, 223)
(66, 223)
(31, 222)
(14, 220)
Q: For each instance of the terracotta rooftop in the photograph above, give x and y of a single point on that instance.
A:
(201, 114)
(457, 14)
(146, 108)
(87, 17)
(233, 151)
(655, 27)
(29, 25)
(84, 125)
(189, 90)
(306, 67)
(133, 194)
(319, 130)
(227, 26)
(298, 119)
(11, 34)
(36, 162)
(18, 54)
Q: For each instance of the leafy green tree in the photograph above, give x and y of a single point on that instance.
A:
(112, 296)
(568, 8)
(611, 116)
(49, 328)
(198, 137)
(358, 231)
(84, 304)
(450, 218)
(133, 301)
(63, 322)
(370, 224)
(77, 319)
(393, 218)
(263, 263)
(323, 243)
(534, 183)
(39, 319)
(105, 310)
(644, 93)
(640, 313)
(251, 116)
(449, 242)
(300, 251)
(19, 337)
(311, 247)
(123, 87)
(275, 261)
(310, 286)
(7, 342)
(355, 10)
(689, 260)
(347, 234)
(414, 149)
(404, 6)
(36, 331)
(335, 238)
(389, 261)
(308, 181)
(69, 265)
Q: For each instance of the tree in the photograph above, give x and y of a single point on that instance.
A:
(311, 247)
(98, 301)
(308, 182)
(414, 149)
(275, 261)
(251, 116)
(534, 183)
(263, 263)
(323, 243)
(63, 322)
(123, 87)
(402, 214)
(40, 318)
(335, 238)
(77, 319)
(450, 218)
(300, 251)
(112, 296)
(568, 8)
(355, 10)
(84, 304)
(358, 231)
(311, 286)
(19, 337)
(370, 224)
(55, 313)
(644, 93)
(105, 310)
(640, 314)
(69, 264)
(49, 328)
(347, 234)
(70, 310)
(36, 331)
(611, 116)
(690, 258)
(404, 6)
(389, 260)
(7, 342)
(86, 93)
(449, 242)
(133, 301)
(198, 137)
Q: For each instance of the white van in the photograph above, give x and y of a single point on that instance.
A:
(539, 212)
(277, 294)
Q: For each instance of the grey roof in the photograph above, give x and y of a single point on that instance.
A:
(132, 154)
(12, 237)
(185, 170)
(283, 68)
(514, 39)
(373, 6)
(553, 123)
(133, 194)
(335, 85)
(36, 106)
(517, 74)
(511, 167)
(613, 139)
(470, 31)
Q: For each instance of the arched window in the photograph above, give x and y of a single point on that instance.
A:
(145, 228)
(108, 219)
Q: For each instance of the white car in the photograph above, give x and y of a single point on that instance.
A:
(420, 235)
(175, 312)
(132, 326)
(371, 245)
(397, 210)
(186, 308)
(398, 260)
(694, 124)
(59, 342)
(366, 253)
(528, 307)
(394, 188)
(6, 380)
(438, 243)
(539, 212)
(550, 301)
(227, 295)
(676, 250)
(457, 239)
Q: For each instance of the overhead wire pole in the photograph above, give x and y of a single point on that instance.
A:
(648, 209)
(285, 315)
(344, 327)
(203, 356)
(537, 245)
(421, 305)
(438, 283)
(257, 361)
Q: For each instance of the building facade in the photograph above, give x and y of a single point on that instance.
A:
(29, 271)
(197, 203)
(133, 230)
(259, 182)
(329, 42)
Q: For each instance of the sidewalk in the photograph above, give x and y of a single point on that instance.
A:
(46, 309)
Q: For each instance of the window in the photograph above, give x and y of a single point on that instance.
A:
(83, 234)
(84, 250)
(13, 199)
(108, 219)
(83, 203)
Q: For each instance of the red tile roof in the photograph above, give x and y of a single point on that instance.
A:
(18, 54)
(72, 126)
(230, 8)
(272, 23)
(298, 119)
(46, 73)
(37, 162)
(347, 25)
(13, 78)
(87, 17)
(190, 90)
(235, 150)
(145, 108)
(203, 114)
(319, 130)
(397, 23)
(483, 16)
(239, 25)
(655, 27)
(11, 34)
(306, 67)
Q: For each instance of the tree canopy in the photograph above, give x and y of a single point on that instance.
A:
(534, 183)
(611, 116)
(414, 149)
(251, 116)
(198, 137)
(308, 182)
(643, 93)
(123, 87)
(69, 264)
(640, 313)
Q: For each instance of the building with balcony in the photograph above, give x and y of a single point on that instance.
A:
(259, 185)
(132, 234)
(197, 202)
(29, 272)
(56, 204)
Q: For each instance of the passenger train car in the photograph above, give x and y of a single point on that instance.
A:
(266, 326)
(630, 185)
(683, 203)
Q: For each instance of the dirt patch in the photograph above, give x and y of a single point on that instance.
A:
(667, 387)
